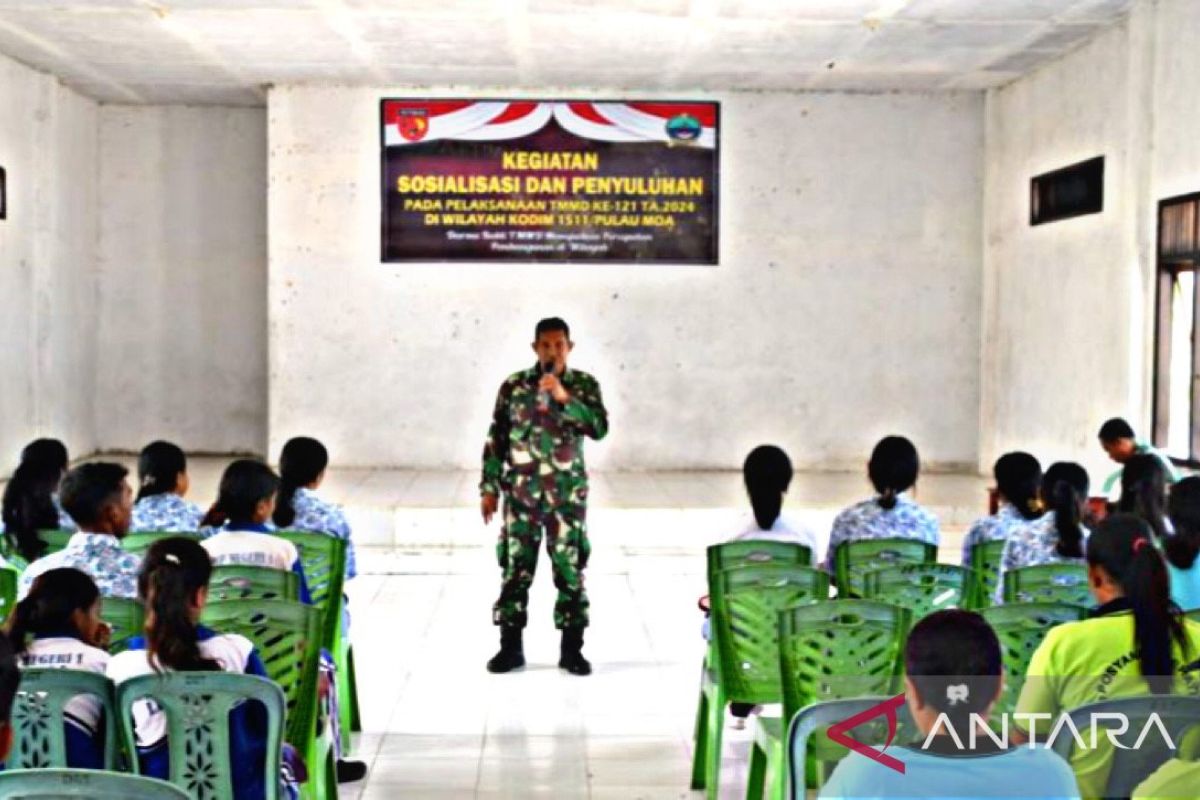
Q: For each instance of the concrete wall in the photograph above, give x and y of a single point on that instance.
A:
(182, 275)
(47, 283)
(1068, 306)
(845, 305)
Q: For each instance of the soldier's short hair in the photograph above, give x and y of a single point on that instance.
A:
(551, 324)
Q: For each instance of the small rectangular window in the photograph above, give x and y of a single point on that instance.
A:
(1176, 355)
(1068, 192)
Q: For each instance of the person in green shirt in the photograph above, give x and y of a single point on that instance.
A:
(1121, 444)
(1136, 642)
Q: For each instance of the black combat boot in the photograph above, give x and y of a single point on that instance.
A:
(511, 655)
(571, 658)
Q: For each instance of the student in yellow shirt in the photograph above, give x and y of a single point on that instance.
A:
(1136, 642)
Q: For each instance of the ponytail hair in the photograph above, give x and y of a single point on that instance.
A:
(53, 599)
(1122, 546)
(175, 570)
(1064, 491)
(28, 503)
(768, 473)
(301, 462)
(893, 468)
(244, 485)
(1183, 546)
(1019, 478)
(1144, 491)
(159, 466)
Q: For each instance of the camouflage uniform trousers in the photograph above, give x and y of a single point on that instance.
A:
(565, 529)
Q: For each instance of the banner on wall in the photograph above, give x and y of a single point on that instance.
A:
(494, 180)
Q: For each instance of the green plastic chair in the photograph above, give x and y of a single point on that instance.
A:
(921, 588)
(985, 561)
(197, 706)
(843, 649)
(1179, 715)
(51, 784)
(287, 637)
(1193, 614)
(1020, 627)
(245, 582)
(139, 541)
(324, 560)
(1049, 583)
(745, 633)
(55, 538)
(9, 578)
(853, 558)
(752, 552)
(820, 716)
(39, 738)
(126, 617)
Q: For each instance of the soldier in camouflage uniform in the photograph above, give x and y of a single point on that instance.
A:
(534, 457)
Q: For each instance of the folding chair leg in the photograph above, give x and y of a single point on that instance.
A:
(700, 741)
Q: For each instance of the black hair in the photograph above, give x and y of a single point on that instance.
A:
(88, 488)
(174, 570)
(1064, 491)
(301, 462)
(28, 504)
(1019, 478)
(1114, 429)
(893, 468)
(768, 473)
(1122, 546)
(550, 324)
(10, 679)
(1144, 491)
(952, 648)
(52, 600)
(244, 485)
(1182, 547)
(159, 467)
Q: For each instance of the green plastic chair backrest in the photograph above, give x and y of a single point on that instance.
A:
(245, 582)
(52, 784)
(287, 636)
(753, 552)
(126, 617)
(1020, 627)
(745, 606)
(9, 578)
(55, 538)
(323, 558)
(985, 560)
(139, 541)
(852, 558)
(39, 738)
(845, 648)
(1048, 583)
(1193, 614)
(921, 588)
(807, 721)
(1179, 716)
(196, 706)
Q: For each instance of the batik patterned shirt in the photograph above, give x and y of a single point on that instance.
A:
(1033, 544)
(166, 512)
(1000, 525)
(869, 520)
(315, 514)
(99, 555)
(534, 448)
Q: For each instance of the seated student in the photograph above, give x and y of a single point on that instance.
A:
(174, 586)
(1144, 493)
(893, 470)
(58, 626)
(302, 466)
(767, 472)
(1120, 443)
(1182, 547)
(1137, 640)
(99, 499)
(10, 679)
(1059, 534)
(162, 484)
(245, 502)
(31, 500)
(1018, 482)
(953, 671)
(1175, 779)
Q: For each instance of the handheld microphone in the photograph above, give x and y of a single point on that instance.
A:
(544, 398)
